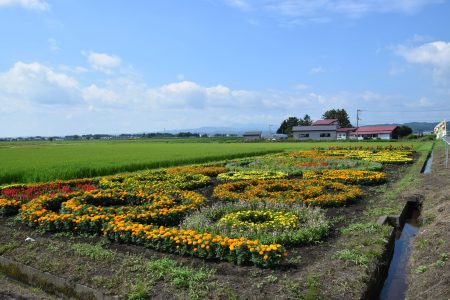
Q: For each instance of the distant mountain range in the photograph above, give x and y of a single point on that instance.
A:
(236, 129)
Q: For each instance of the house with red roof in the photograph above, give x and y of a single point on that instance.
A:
(319, 130)
(375, 132)
(329, 129)
(326, 122)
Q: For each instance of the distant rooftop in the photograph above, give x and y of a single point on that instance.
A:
(252, 133)
(324, 122)
(346, 129)
(375, 129)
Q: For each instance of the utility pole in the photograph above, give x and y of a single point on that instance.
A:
(270, 129)
(357, 117)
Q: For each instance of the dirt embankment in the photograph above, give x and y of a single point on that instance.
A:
(430, 260)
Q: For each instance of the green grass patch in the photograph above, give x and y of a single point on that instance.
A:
(139, 292)
(179, 276)
(7, 247)
(95, 252)
(353, 255)
(360, 227)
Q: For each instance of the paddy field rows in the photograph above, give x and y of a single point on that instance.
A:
(45, 161)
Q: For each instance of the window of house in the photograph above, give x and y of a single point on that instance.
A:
(303, 135)
(325, 135)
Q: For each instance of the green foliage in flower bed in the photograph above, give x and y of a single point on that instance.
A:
(266, 222)
(295, 166)
(155, 179)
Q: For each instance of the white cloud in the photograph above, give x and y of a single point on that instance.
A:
(94, 93)
(179, 95)
(433, 55)
(37, 83)
(70, 69)
(436, 54)
(27, 4)
(39, 99)
(102, 61)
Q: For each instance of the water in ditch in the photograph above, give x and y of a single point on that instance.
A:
(428, 164)
(396, 283)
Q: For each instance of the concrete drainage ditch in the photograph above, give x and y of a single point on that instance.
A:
(49, 283)
(390, 280)
(396, 283)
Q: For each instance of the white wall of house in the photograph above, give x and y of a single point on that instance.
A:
(384, 136)
(315, 135)
(381, 136)
(341, 136)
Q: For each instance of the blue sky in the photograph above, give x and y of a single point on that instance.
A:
(76, 66)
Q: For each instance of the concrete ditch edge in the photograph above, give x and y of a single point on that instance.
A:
(379, 274)
(50, 283)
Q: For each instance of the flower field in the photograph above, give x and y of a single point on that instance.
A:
(348, 176)
(259, 207)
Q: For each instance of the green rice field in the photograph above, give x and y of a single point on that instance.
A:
(24, 162)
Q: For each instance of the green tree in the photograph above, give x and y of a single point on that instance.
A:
(286, 125)
(403, 131)
(339, 114)
(306, 121)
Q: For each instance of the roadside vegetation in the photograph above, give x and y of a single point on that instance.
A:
(430, 259)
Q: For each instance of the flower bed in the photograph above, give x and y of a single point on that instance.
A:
(369, 155)
(158, 179)
(382, 156)
(9, 207)
(348, 176)
(88, 211)
(203, 170)
(294, 164)
(200, 244)
(313, 192)
(285, 223)
(260, 215)
(259, 219)
(13, 196)
(251, 175)
(371, 148)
